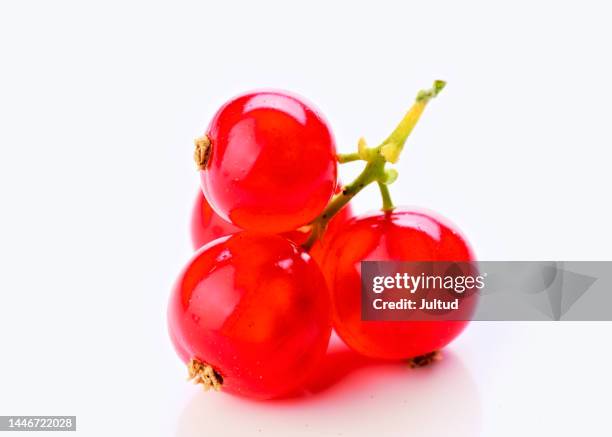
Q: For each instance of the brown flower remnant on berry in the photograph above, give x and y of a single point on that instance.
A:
(202, 373)
(202, 151)
(424, 360)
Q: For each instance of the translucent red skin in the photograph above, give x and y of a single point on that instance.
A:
(405, 235)
(256, 308)
(206, 225)
(272, 166)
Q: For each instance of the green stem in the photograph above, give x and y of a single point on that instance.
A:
(392, 147)
(348, 157)
(373, 171)
(376, 159)
(386, 197)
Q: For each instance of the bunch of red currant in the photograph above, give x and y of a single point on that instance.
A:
(279, 250)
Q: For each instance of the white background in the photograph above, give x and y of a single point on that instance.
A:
(100, 102)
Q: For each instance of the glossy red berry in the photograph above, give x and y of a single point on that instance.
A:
(255, 308)
(403, 235)
(206, 225)
(271, 166)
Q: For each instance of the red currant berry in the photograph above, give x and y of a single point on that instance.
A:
(402, 235)
(206, 225)
(271, 162)
(251, 314)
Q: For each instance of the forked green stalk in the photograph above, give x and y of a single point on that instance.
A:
(376, 159)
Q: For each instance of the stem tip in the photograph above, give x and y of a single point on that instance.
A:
(426, 95)
(439, 86)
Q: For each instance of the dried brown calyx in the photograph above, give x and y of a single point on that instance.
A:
(202, 373)
(202, 151)
(424, 360)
